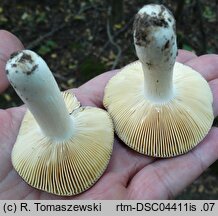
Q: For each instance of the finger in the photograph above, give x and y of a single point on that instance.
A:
(8, 44)
(165, 178)
(10, 123)
(184, 56)
(214, 88)
(92, 92)
(207, 65)
(126, 162)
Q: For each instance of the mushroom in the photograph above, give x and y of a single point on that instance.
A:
(159, 107)
(62, 147)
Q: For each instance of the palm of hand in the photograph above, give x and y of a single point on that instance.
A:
(129, 175)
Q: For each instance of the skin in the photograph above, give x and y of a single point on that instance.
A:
(129, 175)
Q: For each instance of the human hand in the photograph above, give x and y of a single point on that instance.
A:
(129, 175)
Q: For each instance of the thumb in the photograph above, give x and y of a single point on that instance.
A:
(8, 44)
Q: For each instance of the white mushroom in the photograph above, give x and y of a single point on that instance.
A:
(159, 108)
(61, 148)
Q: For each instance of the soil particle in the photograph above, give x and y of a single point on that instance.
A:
(32, 70)
(25, 58)
(143, 25)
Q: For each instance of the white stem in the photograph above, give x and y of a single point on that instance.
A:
(34, 83)
(156, 48)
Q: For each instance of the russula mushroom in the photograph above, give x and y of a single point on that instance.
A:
(159, 107)
(62, 148)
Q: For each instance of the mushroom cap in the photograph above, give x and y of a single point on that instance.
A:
(70, 167)
(159, 129)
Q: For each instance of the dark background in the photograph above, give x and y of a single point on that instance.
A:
(81, 39)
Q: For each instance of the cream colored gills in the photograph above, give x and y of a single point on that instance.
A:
(155, 103)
